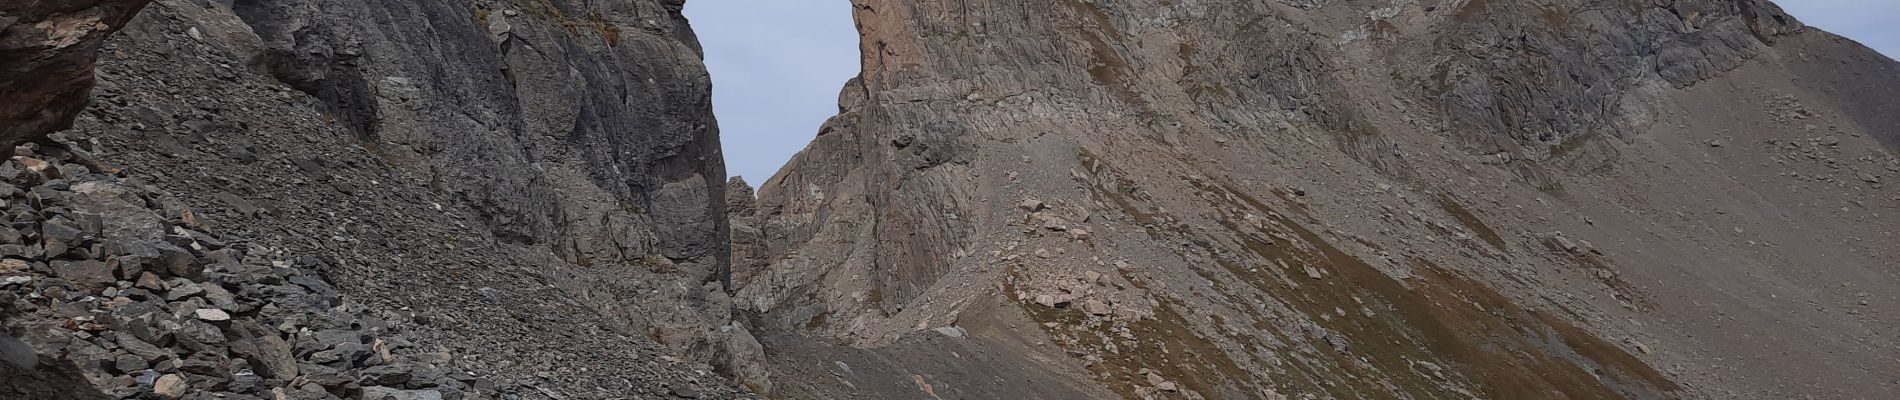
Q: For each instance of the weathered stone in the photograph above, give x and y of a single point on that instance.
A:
(146, 351)
(951, 331)
(1046, 300)
(175, 261)
(60, 231)
(269, 355)
(89, 274)
(209, 365)
(150, 281)
(388, 375)
(386, 393)
(198, 334)
(13, 265)
(220, 298)
(1565, 243)
(1031, 205)
(183, 289)
(747, 237)
(46, 63)
(1160, 382)
(127, 364)
(17, 353)
(55, 248)
(212, 315)
(172, 386)
(245, 382)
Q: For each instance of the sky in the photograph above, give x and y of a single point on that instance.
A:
(1875, 23)
(777, 65)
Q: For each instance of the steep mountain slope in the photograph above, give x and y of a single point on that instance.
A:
(582, 127)
(514, 200)
(1277, 199)
(1343, 199)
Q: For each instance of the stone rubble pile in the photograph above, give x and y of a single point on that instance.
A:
(106, 278)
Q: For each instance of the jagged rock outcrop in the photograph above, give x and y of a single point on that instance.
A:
(533, 189)
(47, 51)
(584, 127)
(1271, 199)
(1347, 199)
(748, 241)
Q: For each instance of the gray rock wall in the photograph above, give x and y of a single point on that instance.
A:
(542, 179)
(584, 127)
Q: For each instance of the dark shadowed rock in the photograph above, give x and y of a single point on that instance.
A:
(317, 160)
(47, 52)
(583, 128)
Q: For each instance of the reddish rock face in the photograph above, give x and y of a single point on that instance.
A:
(47, 50)
(1282, 199)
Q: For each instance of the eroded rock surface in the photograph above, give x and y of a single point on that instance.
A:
(1276, 199)
(394, 149)
(1349, 199)
(581, 128)
(47, 50)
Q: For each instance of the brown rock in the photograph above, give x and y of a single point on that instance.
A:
(47, 52)
(13, 265)
(150, 281)
(171, 386)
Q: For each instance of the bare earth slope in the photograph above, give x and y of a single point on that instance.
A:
(1559, 199)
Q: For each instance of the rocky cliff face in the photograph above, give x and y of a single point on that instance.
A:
(1196, 199)
(581, 127)
(748, 241)
(47, 51)
(1346, 199)
(528, 193)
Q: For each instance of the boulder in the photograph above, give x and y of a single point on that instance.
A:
(387, 393)
(46, 61)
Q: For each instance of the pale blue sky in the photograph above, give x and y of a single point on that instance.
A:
(777, 65)
(1875, 23)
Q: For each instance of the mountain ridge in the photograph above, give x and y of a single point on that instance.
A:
(1197, 199)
